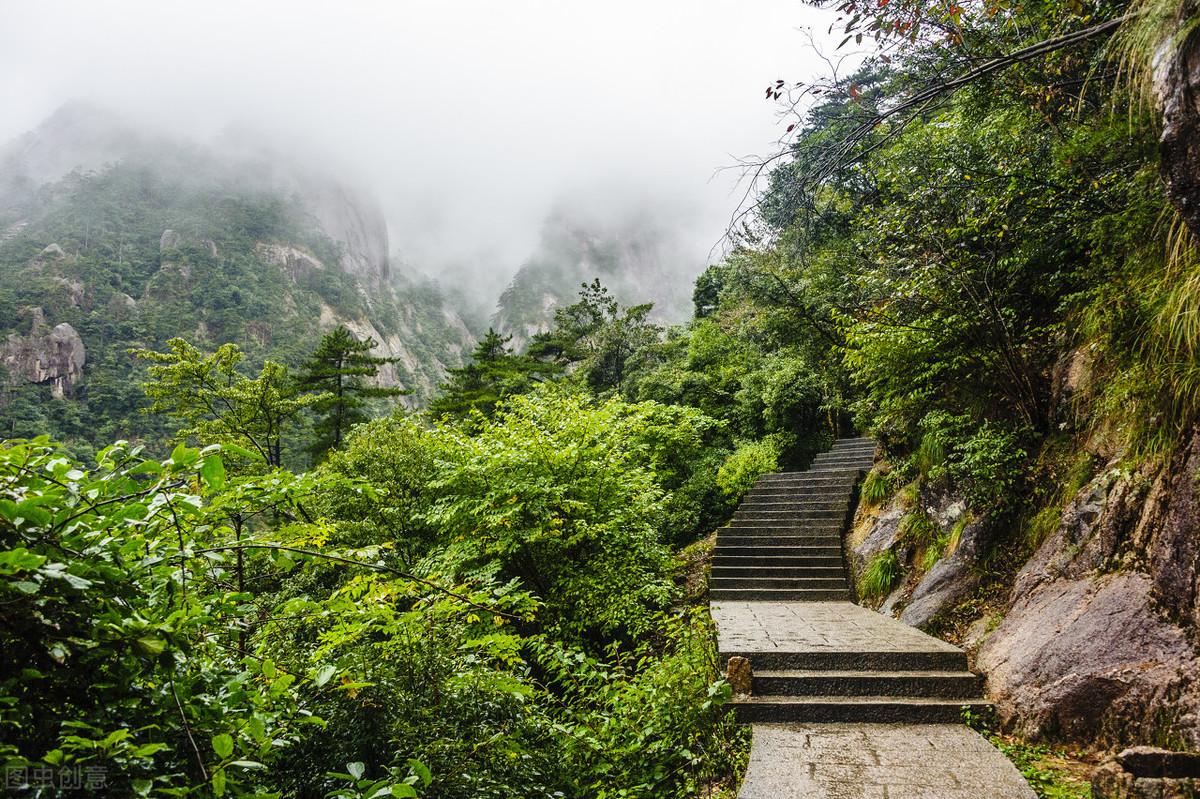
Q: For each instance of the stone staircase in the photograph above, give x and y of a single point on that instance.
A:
(781, 600)
(785, 540)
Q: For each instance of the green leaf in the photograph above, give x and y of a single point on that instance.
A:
(356, 769)
(145, 750)
(421, 770)
(242, 451)
(324, 675)
(184, 455)
(218, 782)
(212, 472)
(223, 745)
(20, 560)
(268, 669)
(150, 646)
(404, 790)
(254, 764)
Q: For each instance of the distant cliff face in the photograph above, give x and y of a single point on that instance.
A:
(111, 240)
(636, 260)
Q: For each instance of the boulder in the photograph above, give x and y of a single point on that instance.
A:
(952, 579)
(169, 240)
(1089, 659)
(1144, 772)
(882, 535)
(54, 356)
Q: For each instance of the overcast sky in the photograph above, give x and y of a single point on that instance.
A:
(467, 119)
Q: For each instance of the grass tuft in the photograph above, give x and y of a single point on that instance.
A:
(882, 575)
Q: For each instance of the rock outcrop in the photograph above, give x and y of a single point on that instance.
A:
(1177, 86)
(46, 355)
(1144, 772)
(1099, 642)
(952, 579)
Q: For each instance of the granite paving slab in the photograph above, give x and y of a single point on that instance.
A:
(783, 627)
(877, 761)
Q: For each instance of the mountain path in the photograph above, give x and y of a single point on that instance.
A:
(845, 703)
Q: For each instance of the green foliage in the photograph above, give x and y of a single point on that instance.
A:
(214, 401)
(881, 575)
(122, 642)
(493, 374)
(560, 493)
(917, 528)
(877, 487)
(337, 372)
(749, 461)
(198, 631)
(596, 337)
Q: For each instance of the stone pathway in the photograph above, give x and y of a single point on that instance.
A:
(846, 703)
(877, 761)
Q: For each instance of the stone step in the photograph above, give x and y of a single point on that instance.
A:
(795, 495)
(861, 455)
(798, 478)
(828, 538)
(800, 536)
(790, 581)
(778, 595)
(854, 710)
(809, 526)
(944, 684)
(838, 460)
(812, 482)
(806, 503)
(839, 467)
(862, 661)
(807, 513)
(724, 560)
(759, 570)
(804, 547)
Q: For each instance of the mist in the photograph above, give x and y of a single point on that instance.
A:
(468, 121)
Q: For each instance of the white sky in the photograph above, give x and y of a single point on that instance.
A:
(467, 118)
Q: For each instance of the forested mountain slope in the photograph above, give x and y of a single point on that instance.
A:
(141, 240)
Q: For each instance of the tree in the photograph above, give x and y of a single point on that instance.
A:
(216, 403)
(339, 370)
(597, 336)
(495, 372)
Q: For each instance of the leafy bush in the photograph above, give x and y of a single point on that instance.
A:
(749, 461)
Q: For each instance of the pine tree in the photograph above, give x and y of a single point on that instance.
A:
(340, 369)
(494, 373)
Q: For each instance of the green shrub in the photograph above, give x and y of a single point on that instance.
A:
(750, 461)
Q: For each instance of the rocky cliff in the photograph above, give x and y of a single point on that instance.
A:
(1093, 637)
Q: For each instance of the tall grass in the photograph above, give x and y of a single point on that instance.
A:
(882, 575)
(878, 487)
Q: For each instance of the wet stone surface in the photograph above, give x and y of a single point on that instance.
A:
(877, 761)
(774, 627)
